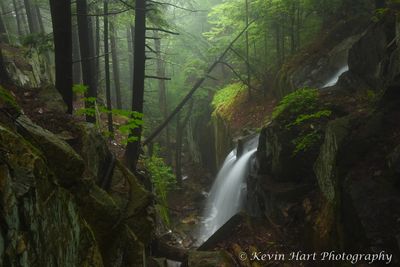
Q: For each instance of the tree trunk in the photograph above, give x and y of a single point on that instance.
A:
(3, 31)
(62, 32)
(180, 129)
(39, 18)
(247, 48)
(97, 52)
(162, 92)
(7, 21)
(115, 65)
(129, 36)
(76, 53)
(19, 15)
(87, 54)
(133, 148)
(107, 68)
(33, 22)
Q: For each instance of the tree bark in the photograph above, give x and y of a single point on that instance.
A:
(129, 36)
(107, 69)
(115, 65)
(33, 22)
(247, 48)
(97, 52)
(162, 92)
(19, 15)
(3, 31)
(62, 32)
(133, 148)
(180, 130)
(39, 17)
(76, 53)
(87, 53)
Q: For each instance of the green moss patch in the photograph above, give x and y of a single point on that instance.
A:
(224, 99)
(304, 116)
(7, 99)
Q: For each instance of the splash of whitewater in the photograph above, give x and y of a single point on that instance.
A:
(228, 192)
(335, 78)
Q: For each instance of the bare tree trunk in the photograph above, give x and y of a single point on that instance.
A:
(3, 32)
(97, 52)
(33, 22)
(7, 23)
(162, 91)
(133, 148)
(61, 17)
(77, 70)
(247, 48)
(107, 68)
(129, 36)
(39, 18)
(19, 17)
(87, 52)
(115, 65)
(180, 130)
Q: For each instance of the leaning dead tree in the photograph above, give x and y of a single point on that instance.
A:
(196, 86)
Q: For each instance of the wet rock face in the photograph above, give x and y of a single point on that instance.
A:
(325, 165)
(26, 67)
(41, 225)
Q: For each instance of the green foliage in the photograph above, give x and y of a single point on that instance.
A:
(225, 97)
(133, 119)
(304, 142)
(300, 101)
(8, 99)
(163, 180)
(308, 117)
(79, 88)
(42, 42)
(380, 14)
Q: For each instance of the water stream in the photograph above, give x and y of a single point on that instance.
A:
(228, 192)
(335, 78)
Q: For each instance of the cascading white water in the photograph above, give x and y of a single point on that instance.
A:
(335, 77)
(228, 191)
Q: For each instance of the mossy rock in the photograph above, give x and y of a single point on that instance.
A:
(42, 226)
(62, 159)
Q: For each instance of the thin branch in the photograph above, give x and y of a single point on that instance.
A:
(162, 30)
(176, 6)
(89, 58)
(151, 49)
(157, 78)
(238, 75)
(152, 38)
(196, 86)
(127, 4)
(104, 14)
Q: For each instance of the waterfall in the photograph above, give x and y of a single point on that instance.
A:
(335, 77)
(228, 191)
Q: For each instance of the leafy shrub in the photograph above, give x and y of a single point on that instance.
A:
(164, 180)
(133, 119)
